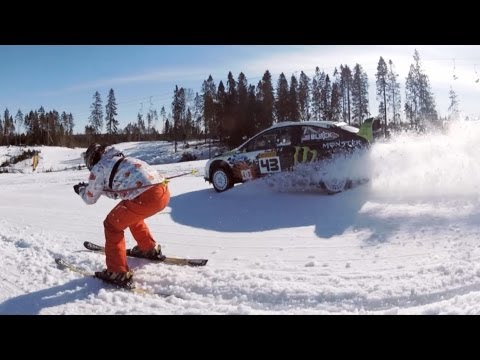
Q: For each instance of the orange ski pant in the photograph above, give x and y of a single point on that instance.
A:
(131, 214)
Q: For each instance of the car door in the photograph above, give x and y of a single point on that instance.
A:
(277, 149)
(316, 143)
(257, 157)
(288, 139)
(264, 149)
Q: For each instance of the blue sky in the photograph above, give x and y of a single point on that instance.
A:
(65, 78)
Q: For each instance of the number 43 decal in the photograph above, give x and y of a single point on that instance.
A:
(269, 165)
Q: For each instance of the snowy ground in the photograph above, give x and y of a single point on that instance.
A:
(406, 243)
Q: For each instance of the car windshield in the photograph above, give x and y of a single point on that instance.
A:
(277, 137)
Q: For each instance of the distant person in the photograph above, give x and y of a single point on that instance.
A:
(143, 192)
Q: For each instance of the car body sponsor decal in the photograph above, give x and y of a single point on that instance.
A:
(303, 154)
(269, 165)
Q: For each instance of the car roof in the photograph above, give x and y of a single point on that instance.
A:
(325, 124)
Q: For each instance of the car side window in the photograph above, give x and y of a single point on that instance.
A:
(262, 142)
(296, 135)
(266, 141)
(284, 137)
(248, 146)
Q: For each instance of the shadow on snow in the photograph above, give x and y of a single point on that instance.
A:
(248, 209)
(32, 303)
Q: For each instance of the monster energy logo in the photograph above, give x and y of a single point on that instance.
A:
(346, 143)
(305, 151)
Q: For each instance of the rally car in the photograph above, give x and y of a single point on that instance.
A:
(284, 147)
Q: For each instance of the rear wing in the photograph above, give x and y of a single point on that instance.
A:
(366, 130)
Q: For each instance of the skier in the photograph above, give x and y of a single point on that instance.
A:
(143, 192)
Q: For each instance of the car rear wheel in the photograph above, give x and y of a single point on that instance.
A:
(335, 185)
(221, 180)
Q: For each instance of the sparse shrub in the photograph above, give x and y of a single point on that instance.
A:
(187, 156)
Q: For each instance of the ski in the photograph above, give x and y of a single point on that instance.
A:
(168, 260)
(64, 265)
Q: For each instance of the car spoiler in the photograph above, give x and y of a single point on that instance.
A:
(366, 130)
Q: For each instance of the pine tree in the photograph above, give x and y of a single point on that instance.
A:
(208, 94)
(293, 107)
(419, 102)
(8, 125)
(266, 102)
(393, 94)
(453, 107)
(167, 127)
(346, 81)
(231, 105)
(281, 101)
(382, 79)
(178, 108)
(325, 98)
(304, 97)
(241, 126)
(316, 91)
(251, 112)
(53, 121)
(41, 131)
(140, 124)
(149, 121)
(33, 127)
(18, 124)
(359, 95)
(163, 115)
(198, 113)
(336, 103)
(154, 117)
(64, 122)
(71, 124)
(188, 125)
(110, 113)
(259, 110)
(220, 110)
(96, 114)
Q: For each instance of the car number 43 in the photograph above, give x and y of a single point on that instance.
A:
(269, 165)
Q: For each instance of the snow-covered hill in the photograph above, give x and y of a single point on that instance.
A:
(407, 242)
(54, 158)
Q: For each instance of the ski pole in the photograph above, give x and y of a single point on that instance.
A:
(164, 182)
(193, 172)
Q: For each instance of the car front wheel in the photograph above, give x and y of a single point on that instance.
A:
(221, 180)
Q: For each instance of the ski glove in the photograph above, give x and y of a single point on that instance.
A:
(77, 187)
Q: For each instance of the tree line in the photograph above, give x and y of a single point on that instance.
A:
(236, 110)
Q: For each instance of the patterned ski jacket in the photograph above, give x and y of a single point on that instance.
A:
(131, 173)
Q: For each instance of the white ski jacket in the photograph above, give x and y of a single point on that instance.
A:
(131, 174)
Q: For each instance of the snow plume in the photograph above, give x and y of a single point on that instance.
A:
(408, 166)
(308, 176)
(431, 165)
